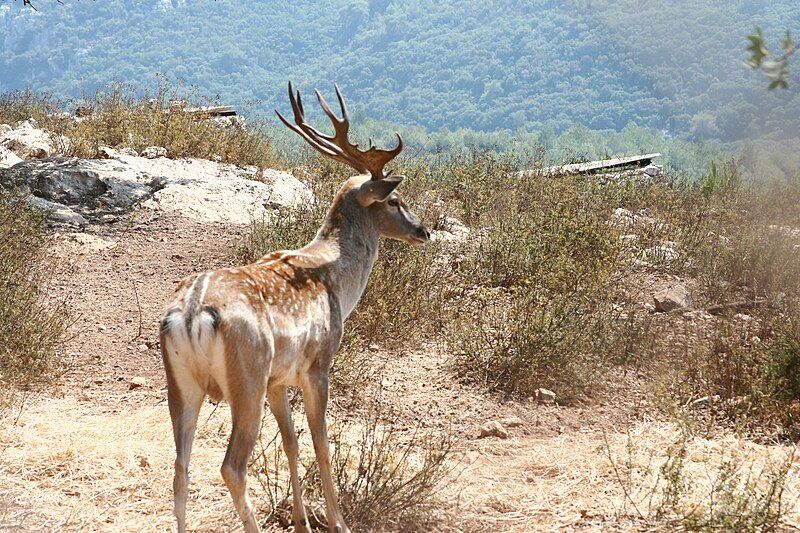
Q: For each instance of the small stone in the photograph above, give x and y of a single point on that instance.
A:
(104, 152)
(101, 327)
(142, 348)
(374, 348)
(706, 400)
(675, 297)
(653, 170)
(545, 396)
(511, 422)
(472, 456)
(493, 429)
(137, 382)
(153, 152)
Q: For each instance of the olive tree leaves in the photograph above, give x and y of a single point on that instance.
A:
(775, 68)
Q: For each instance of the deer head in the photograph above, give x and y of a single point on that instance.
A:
(374, 190)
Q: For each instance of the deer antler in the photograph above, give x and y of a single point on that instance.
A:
(370, 161)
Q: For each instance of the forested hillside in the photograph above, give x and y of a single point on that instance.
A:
(484, 65)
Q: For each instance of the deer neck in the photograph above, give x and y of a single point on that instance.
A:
(348, 241)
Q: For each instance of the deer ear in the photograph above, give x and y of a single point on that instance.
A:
(377, 190)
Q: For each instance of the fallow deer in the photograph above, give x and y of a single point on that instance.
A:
(246, 333)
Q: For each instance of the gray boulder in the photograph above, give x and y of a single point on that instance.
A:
(194, 188)
(57, 212)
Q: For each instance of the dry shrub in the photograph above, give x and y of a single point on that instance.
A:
(750, 370)
(33, 327)
(387, 479)
(122, 117)
(17, 106)
(564, 344)
(746, 254)
(542, 305)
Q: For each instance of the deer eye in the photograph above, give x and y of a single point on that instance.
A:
(394, 202)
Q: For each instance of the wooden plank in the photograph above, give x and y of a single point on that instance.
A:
(594, 166)
(215, 111)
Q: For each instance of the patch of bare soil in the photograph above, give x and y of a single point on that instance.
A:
(97, 454)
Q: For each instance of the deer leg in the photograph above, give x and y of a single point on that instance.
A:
(279, 405)
(315, 398)
(184, 407)
(246, 410)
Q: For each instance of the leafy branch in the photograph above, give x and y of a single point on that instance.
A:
(774, 68)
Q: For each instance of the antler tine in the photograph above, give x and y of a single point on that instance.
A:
(318, 144)
(316, 139)
(311, 141)
(328, 111)
(338, 147)
(345, 116)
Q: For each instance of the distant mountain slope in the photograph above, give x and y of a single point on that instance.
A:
(486, 65)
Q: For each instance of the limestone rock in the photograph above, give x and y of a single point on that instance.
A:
(137, 382)
(545, 396)
(493, 429)
(8, 158)
(511, 422)
(653, 171)
(90, 243)
(152, 152)
(675, 297)
(57, 212)
(27, 141)
(451, 230)
(194, 188)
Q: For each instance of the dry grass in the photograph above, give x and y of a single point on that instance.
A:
(123, 117)
(572, 481)
(73, 465)
(68, 465)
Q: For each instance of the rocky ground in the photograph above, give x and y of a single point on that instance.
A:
(96, 452)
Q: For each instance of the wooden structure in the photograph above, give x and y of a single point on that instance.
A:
(636, 161)
(215, 111)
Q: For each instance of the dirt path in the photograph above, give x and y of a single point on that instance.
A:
(121, 292)
(97, 454)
